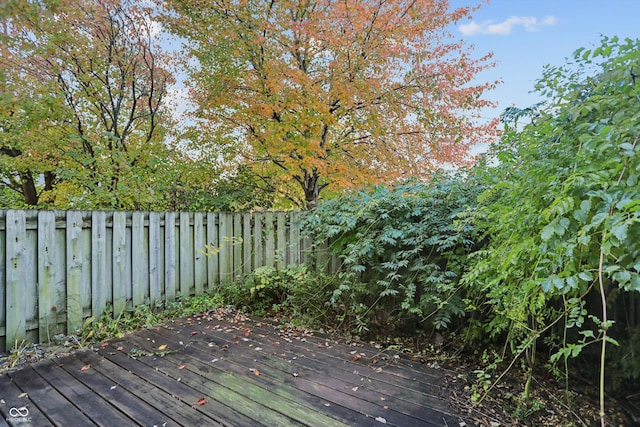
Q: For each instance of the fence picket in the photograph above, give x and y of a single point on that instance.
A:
(226, 247)
(281, 245)
(98, 263)
(119, 233)
(74, 249)
(270, 240)
(170, 280)
(47, 275)
(212, 250)
(200, 262)
(139, 261)
(246, 243)
(16, 229)
(156, 280)
(237, 244)
(258, 259)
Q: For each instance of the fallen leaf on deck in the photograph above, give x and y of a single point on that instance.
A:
(104, 345)
(120, 348)
(201, 401)
(194, 333)
(181, 366)
(113, 387)
(21, 395)
(381, 420)
(162, 347)
(85, 368)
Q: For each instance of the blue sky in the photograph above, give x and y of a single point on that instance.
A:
(527, 34)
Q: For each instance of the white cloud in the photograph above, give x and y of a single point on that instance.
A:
(529, 23)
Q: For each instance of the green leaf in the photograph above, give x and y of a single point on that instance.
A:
(587, 333)
(620, 231)
(586, 276)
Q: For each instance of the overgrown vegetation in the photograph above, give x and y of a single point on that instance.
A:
(402, 251)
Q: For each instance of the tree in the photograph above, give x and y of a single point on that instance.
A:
(98, 62)
(319, 93)
(25, 121)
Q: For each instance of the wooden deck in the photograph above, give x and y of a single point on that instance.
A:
(223, 368)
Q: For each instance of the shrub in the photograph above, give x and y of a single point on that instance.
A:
(402, 250)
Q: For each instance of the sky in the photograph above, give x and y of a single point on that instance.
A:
(525, 35)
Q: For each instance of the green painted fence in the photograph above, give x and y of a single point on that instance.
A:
(60, 268)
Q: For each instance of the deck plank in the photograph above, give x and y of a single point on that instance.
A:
(58, 409)
(128, 403)
(244, 371)
(99, 410)
(180, 409)
(12, 396)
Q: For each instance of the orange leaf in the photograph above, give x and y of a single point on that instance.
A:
(85, 368)
(201, 401)
(181, 366)
(256, 372)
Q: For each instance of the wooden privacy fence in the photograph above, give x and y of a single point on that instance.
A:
(60, 268)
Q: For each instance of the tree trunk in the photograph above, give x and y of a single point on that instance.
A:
(28, 188)
(311, 189)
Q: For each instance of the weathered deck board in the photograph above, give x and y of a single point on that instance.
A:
(223, 368)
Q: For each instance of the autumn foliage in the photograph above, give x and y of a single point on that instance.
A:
(83, 88)
(326, 93)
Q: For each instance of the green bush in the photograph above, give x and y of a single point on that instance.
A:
(295, 294)
(402, 250)
(562, 210)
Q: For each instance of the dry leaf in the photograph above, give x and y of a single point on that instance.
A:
(381, 420)
(162, 347)
(181, 366)
(85, 368)
(120, 348)
(201, 401)
(256, 372)
(194, 333)
(104, 345)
